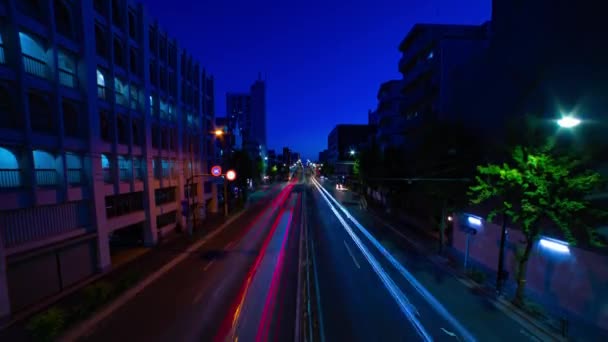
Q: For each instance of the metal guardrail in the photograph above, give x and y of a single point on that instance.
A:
(46, 177)
(75, 177)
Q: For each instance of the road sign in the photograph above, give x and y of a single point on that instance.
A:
(230, 175)
(216, 170)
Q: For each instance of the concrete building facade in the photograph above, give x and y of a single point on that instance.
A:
(431, 56)
(104, 118)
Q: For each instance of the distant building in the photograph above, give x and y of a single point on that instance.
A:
(287, 156)
(246, 113)
(103, 120)
(295, 156)
(388, 117)
(323, 156)
(343, 144)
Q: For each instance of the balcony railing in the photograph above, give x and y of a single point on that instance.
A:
(46, 177)
(107, 175)
(67, 78)
(126, 174)
(10, 178)
(35, 66)
(75, 177)
(101, 91)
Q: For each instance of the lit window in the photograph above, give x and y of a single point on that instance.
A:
(100, 79)
(430, 55)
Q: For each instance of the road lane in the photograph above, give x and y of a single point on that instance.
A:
(354, 303)
(418, 277)
(188, 301)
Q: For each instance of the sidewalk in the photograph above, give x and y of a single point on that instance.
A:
(428, 244)
(121, 276)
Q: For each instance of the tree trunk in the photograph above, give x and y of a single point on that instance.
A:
(442, 228)
(521, 273)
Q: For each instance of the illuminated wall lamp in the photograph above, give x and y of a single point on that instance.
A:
(555, 245)
(476, 221)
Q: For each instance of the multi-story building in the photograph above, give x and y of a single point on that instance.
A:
(387, 117)
(104, 120)
(343, 144)
(431, 53)
(323, 156)
(246, 113)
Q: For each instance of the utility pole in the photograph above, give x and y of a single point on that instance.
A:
(225, 196)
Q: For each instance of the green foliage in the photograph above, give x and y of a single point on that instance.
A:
(477, 276)
(47, 326)
(536, 185)
(357, 168)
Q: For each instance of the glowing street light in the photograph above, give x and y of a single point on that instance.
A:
(568, 122)
(230, 175)
(218, 132)
(352, 152)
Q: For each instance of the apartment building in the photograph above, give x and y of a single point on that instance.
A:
(432, 54)
(104, 127)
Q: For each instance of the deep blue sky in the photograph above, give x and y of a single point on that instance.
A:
(323, 60)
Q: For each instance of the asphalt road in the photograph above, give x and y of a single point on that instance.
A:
(374, 286)
(192, 301)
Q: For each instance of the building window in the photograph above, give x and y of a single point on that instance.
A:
(34, 53)
(133, 61)
(63, 18)
(104, 126)
(32, 8)
(153, 73)
(163, 78)
(67, 69)
(166, 219)
(132, 25)
(117, 13)
(155, 136)
(41, 118)
(152, 40)
(100, 41)
(119, 57)
(101, 85)
(100, 7)
(165, 195)
(136, 131)
(71, 118)
(121, 127)
(163, 48)
(9, 118)
(119, 205)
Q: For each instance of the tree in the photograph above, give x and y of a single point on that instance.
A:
(536, 187)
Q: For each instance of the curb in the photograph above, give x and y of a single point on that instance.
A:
(505, 306)
(81, 329)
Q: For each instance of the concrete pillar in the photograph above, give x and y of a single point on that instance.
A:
(93, 167)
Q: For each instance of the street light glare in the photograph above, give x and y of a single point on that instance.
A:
(352, 152)
(568, 122)
(218, 132)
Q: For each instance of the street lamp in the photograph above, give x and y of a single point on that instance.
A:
(352, 152)
(568, 121)
(218, 132)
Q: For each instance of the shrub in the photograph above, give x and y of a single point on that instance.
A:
(477, 276)
(47, 326)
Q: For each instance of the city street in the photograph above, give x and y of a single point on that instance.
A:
(374, 286)
(198, 299)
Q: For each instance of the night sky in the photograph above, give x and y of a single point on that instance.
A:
(323, 60)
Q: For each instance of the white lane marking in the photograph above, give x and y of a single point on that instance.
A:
(390, 285)
(208, 265)
(351, 254)
(447, 332)
(439, 308)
